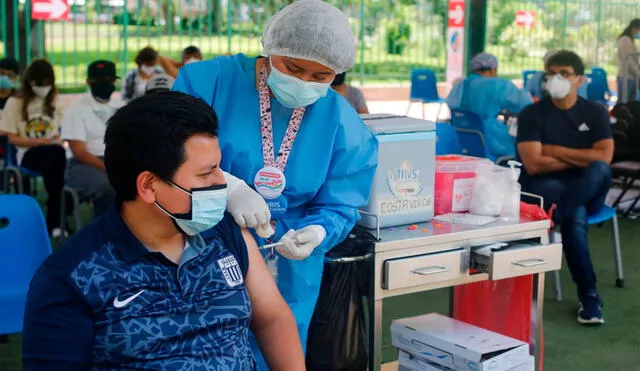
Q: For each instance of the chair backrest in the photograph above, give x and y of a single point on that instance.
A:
(11, 155)
(24, 245)
(598, 87)
(470, 130)
(424, 85)
(527, 75)
(446, 140)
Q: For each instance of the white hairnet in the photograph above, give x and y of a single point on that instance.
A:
(311, 30)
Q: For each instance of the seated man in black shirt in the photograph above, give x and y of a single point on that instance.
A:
(566, 145)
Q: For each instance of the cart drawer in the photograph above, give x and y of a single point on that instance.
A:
(519, 260)
(424, 269)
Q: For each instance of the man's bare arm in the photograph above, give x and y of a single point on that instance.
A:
(601, 151)
(273, 323)
(536, 163)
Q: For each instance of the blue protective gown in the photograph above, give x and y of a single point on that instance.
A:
(329, 173)
(487, 97)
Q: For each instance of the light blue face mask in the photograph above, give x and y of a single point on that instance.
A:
(5, 83)
(207, 209)
(292, 92)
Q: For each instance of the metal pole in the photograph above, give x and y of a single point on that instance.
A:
(125, 34)
(363, 24)
(3, 25)
(599, 20)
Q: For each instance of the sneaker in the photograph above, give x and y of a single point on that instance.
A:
(590, 310)
(57, 233)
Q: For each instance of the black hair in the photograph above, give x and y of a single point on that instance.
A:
(10, 64)
(627, 31)
(145, 55)
(191, 49)
(567, 58)
(339, 79)
(149, 134)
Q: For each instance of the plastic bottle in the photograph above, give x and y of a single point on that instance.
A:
(511, 202)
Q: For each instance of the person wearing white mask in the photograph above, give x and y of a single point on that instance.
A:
(565, 143)
(300, 144)
(190, 54)
(134, 84)
(31, 121)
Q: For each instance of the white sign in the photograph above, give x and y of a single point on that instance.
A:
(455, 41)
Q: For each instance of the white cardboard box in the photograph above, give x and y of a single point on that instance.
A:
(410, 362)
(458, 345)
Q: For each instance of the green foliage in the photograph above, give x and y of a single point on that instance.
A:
(521, 41)
(398, 36)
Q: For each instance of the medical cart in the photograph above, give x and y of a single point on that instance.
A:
(438, 254)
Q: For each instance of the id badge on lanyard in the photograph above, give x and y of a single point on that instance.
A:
(270, 181)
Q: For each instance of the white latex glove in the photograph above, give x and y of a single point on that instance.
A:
(298, 245)
(247, 207)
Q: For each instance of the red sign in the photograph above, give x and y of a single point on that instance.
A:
(525, 18)
(49, 10)
(456, 13)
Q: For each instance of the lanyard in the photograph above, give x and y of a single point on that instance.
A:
(268, 154)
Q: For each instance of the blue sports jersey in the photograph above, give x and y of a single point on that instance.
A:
(105, 302)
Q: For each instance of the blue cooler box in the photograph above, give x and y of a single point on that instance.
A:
(402, 191)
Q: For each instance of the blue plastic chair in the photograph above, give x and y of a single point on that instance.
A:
(424, 89)
(13, 169)
(598, 87)
(24, 246)
(528, 82)
(604, 215)
(470, 131)
(446, 140)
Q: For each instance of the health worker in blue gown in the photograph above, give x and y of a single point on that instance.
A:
(487, 95)
(300, 144)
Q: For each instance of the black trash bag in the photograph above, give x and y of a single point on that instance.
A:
(338, 334)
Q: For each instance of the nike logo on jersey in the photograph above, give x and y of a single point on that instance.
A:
(123, 303)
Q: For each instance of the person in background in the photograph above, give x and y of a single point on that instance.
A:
(536, 84)
(628, 68)
(353, 95)
(134, 84)
(31, 120)
(566, 146)
(83, 126)
(190, 54)
(487, 95)
(301, 145)
(9, 70)
(165, 280)
(159, 83)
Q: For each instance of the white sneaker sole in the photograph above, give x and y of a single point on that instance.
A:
(592, 321)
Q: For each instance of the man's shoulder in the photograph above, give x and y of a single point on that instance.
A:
(74, 251)
(534, 109)
(590, 107)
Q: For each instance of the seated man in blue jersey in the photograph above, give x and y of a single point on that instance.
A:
(487, 95)
(566, 146)
(165, 280)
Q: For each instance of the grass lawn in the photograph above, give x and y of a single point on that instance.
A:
(568, 346)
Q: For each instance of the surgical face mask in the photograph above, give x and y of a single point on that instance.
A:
(5, 83)
(207, 209)
(41, 91)
(191, 60)
(102, 91)
(148, 70)
(558, 87)
(292, 92)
